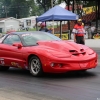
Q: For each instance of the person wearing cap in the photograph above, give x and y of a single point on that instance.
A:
(79, 32)
(44, 28)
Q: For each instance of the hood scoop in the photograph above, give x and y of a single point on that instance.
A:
(76, 53)
(72, 51)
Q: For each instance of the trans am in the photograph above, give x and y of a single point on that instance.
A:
(41, 52)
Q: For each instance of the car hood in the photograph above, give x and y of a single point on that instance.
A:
(63, 46)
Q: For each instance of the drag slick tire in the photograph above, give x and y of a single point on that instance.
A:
(35, 66)
(4, 68)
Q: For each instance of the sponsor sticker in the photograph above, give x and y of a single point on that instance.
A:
(15, 64)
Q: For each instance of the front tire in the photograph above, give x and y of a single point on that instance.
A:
(35, 66)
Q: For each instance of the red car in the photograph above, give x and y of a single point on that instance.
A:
(41, 52)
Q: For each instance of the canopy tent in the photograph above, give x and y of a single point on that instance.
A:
(57, 13)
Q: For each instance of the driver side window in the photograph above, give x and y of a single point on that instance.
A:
(11, 39)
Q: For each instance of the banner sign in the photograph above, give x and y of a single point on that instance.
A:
(64, 36)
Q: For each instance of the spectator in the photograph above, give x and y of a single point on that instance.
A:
(89, 29)
(86, 27)
(93, 29)
(44, 28)
(79, 32)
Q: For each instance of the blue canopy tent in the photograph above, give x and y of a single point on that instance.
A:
(57, 13)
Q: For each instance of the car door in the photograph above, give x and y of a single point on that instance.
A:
(10, 55)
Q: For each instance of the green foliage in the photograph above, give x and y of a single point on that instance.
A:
(25, 8)
(17, 8)
(44, 5)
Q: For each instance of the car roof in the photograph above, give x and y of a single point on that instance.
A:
(27, 32)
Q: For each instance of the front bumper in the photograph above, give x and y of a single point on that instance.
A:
(69, 66)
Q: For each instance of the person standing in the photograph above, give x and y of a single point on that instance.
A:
(93, 31)
(89, 30)
(79, 32)
(86, 27)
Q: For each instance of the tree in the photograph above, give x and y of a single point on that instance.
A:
(44, 4)
(25, 8)
(16, 8)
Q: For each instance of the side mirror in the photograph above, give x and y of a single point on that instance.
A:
(18, 45)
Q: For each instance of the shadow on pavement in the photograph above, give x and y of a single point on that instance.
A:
(69, 75)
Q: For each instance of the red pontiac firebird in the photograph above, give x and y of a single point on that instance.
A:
(41, 52)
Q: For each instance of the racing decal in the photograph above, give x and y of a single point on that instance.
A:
(2, 62)
(15, 64)
(26, 34)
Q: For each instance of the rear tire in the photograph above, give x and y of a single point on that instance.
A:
(35, 66)
(4, 68)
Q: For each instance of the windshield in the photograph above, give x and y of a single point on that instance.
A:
(32, 38)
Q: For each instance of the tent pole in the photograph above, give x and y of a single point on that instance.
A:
(61, 29)
(36, 25)
(53, 26)
(96, 14)
(73, 6)
(68, 20)
(45, 24)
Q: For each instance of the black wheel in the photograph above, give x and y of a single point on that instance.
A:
(35, 66)
(4, 68)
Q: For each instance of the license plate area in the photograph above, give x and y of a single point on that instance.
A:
(83, 65)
